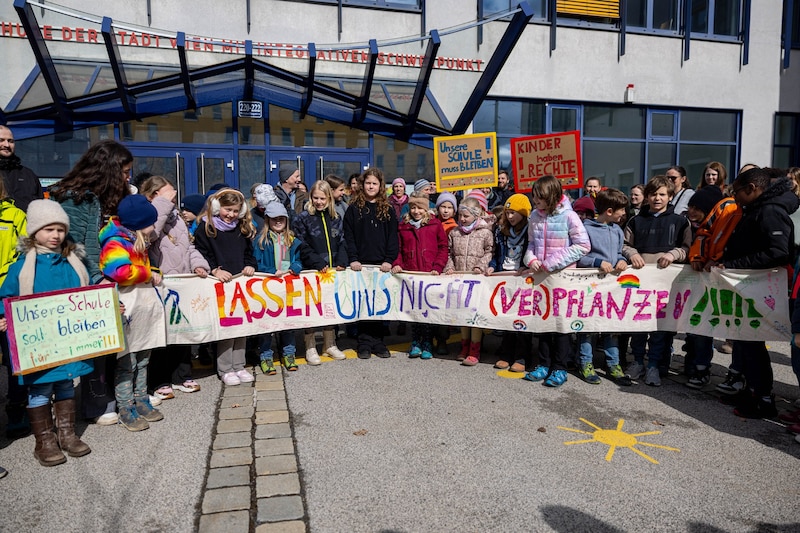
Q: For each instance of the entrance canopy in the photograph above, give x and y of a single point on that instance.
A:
(92, 70)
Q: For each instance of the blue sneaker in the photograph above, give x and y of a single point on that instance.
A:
(538, 373)
(415, 350)
(427, 351)
(556, 379)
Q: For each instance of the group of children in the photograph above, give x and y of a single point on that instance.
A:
(540, 233)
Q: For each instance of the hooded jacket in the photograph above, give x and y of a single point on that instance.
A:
(470, 250)
(764, 237)
(423, 249)
(557, 240)
(119, 261)
(12, 225)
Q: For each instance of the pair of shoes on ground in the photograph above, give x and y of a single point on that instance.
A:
(753, 407)
(187, 386)
(699, 378)
(366, 354)
(237, 378)
(554, 379)
(511, 367)
(734, 383)
(423, 350)
(651, 375)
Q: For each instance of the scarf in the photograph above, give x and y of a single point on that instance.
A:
(28, 272)
(10, 163)
(220, 224)
(515, 249)
(466, 230)
(416, 223)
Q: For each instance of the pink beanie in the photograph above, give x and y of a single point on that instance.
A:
(398, 180)
(481, 197)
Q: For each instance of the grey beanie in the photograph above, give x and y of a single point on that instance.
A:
(285, 173)
(42, 213)
(421, 184)
(275, 210)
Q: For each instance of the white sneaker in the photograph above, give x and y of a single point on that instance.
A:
(108, 419)
(652, 377)
(245, 376)
(335, 353)
(231, 379)
(312, 357)
(635, 370)
(155, 401)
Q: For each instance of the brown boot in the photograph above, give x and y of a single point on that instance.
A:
(46, 451)
(65, 424)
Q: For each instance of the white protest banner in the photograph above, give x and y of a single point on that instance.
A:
(744, 305)
(144, 322)
(54, 328)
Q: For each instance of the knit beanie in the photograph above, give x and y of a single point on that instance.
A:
(135, 212)
(285, 173)
(193, 203)
(418, 201)
(399, 180)
(421, 184)
(584, 204)
(42, 213)
(481, 197)
(520, 204)
(447, 196)
(704, 199)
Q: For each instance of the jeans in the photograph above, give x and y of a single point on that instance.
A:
(703, 350)
(130, 378)
(657, 345)
(586, 342)
(285, 340)
(39, 393)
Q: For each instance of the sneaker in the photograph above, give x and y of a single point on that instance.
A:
(335, 353)
(415, 350)
(699, 378)
(556, 379)
(187, 386)
(146, 411)
(757, 408)
(615, 372)
(268, 366)
(652, 377)
(129, 419)
(364, 354)
(108, 419)
(245, 376)
(312, 357)
(289, 363)
(385, 354)
(537, 374)
(635, 370)
(589, 375)
(427, 351)
(734, 383)
(164, 393)
(231, 379)
(155, 401)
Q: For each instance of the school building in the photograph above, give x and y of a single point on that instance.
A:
(209, 91)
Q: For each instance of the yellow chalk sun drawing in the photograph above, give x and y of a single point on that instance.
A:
(616, 438)
(327, 276)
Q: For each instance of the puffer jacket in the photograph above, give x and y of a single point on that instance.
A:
(119, 261)
(172, 250)
(327, 247)
(85, 220)
(423, 249)
(470, 250)
(557, 240)
(12, 226)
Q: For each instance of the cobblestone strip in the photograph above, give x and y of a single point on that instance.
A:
(253, 483)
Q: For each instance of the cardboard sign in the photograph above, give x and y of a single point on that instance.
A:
(555, 154)
(465, 161)
(53, 328)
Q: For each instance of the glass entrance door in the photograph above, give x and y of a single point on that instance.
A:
(316, 165)
(192, 171)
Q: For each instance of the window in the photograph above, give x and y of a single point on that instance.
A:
(655, 15)
(397, 5)
(492, 7)
(795, 23)
(716, 18)
(784, 151)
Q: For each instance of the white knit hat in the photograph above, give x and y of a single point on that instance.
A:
(42, 213)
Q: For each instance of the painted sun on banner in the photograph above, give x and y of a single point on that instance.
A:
(465, 161)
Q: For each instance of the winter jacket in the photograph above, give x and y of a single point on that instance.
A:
(325, 237)
(470, 250)
(449, 224)
(606, 241)
(85, 220)
(557, 240)
(423, 249)
(53, 273)
(715, 230)
(764, 237)
(12, 226)
(229, 250)
(300, 198)
(652, 236)
(501, 249)
(21, 183)
(172, 251)
(369, 240)
(265, 257)
(119, 261)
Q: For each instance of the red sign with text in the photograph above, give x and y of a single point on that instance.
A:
(554, 154)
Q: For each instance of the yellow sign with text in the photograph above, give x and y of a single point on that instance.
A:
(465, 161)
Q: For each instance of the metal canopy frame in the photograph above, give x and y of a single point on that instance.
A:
(181, 90)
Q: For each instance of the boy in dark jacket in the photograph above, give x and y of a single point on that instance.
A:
(763, 238)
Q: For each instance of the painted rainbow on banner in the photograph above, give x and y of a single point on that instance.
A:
(628, 281)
